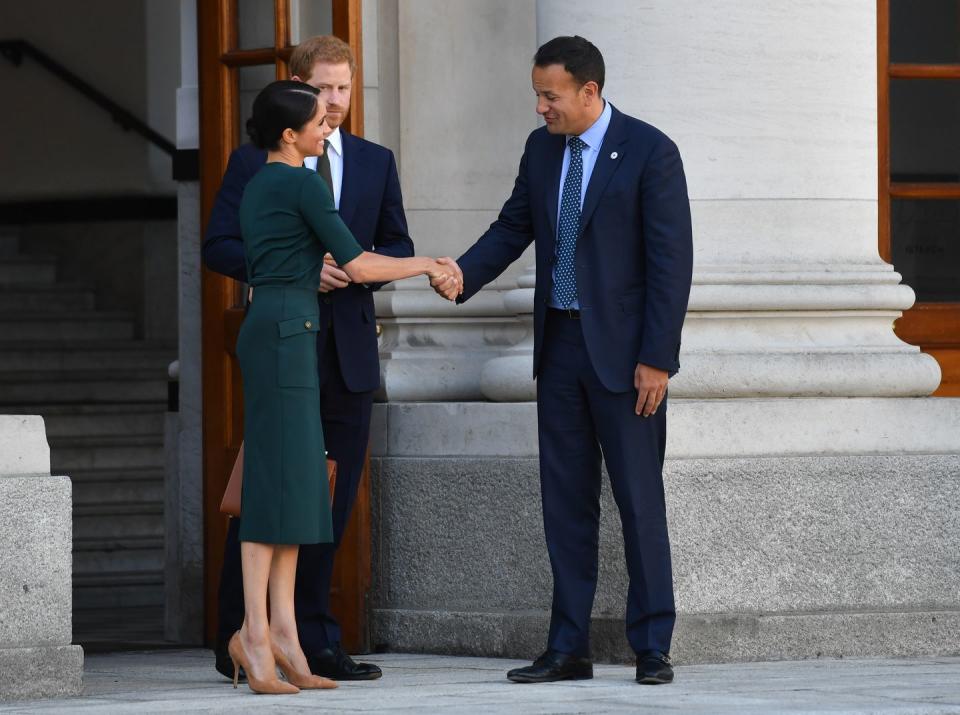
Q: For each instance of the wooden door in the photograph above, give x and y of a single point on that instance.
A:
(243, 45)
(918, 72)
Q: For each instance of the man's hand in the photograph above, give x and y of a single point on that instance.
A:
(449, 281)
(331, 276)
(651, 385)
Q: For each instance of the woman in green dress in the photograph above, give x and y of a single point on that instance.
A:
(288, 222)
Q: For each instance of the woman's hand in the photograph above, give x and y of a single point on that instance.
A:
(445, 277)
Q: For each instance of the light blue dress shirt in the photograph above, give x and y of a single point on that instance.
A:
(593, 138)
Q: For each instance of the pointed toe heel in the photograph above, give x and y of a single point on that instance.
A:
(264, 686)
(307, 681)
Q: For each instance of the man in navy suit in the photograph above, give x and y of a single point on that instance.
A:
(363, 179)
(604, 198)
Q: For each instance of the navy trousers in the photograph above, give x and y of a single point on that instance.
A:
(346, 430)
(580, 423)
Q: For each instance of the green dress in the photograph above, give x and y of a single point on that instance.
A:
(288, 221)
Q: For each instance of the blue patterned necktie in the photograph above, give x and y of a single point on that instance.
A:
(569, 226)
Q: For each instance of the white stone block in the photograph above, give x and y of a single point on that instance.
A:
(23, 446)
(36, 539)
(695, 428)
(35, 561)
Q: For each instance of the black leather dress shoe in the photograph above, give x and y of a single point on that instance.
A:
(653, 668)
(224, 664)
(553, 666)
(333, 663)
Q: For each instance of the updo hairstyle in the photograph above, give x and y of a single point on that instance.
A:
(284, 104)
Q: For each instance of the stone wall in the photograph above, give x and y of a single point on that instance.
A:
(839, 541)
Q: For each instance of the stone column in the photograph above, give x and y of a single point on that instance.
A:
(183, 511)
(463, 108)
(36, 540)
(774, 109)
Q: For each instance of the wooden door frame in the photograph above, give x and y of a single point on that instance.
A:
(219, 61)
(926, 323)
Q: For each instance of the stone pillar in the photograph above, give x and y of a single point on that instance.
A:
(183, 512)
(36, 540)
(790, 296)
(461, 120)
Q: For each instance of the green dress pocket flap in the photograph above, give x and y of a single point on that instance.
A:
(295, 326)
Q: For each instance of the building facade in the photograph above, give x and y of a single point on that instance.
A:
(811, 475)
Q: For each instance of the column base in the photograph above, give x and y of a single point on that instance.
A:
(41, 672)
(698, 638)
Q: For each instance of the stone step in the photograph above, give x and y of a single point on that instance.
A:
(118, 521)
(9, 244)
(66, 327)
(81, 477)
(132, 452)
(118, 487)
(22, 356)
(83, 420)
(37, 387)
(107, 630)
(145, 418)
(104, 345)
(117, 590)
(19, 269)
(46, 297)
(131, 555)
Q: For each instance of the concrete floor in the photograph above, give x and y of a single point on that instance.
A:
(184, 681)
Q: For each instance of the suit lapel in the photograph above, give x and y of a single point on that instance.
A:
(609, 158)
(555, 167)
(352, 174)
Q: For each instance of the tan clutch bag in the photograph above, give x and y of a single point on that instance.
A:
(230, 504)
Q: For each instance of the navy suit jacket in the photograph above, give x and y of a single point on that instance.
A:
(634, 255)
(372, 208)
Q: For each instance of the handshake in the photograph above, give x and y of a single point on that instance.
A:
(445, 276)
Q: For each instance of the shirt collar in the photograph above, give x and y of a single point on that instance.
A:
(336, 141)
(593, 137)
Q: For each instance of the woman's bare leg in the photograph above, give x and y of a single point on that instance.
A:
(257, 560)
(283, 618)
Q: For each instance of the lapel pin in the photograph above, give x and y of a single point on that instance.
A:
(614, 155)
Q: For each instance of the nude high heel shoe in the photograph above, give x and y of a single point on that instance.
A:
(307, 681)
(269, 686)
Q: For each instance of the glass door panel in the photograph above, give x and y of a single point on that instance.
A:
(250, 80)
(926, 247)
(255, 24)
(924, 130)
(309, 18)
(925, 31)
